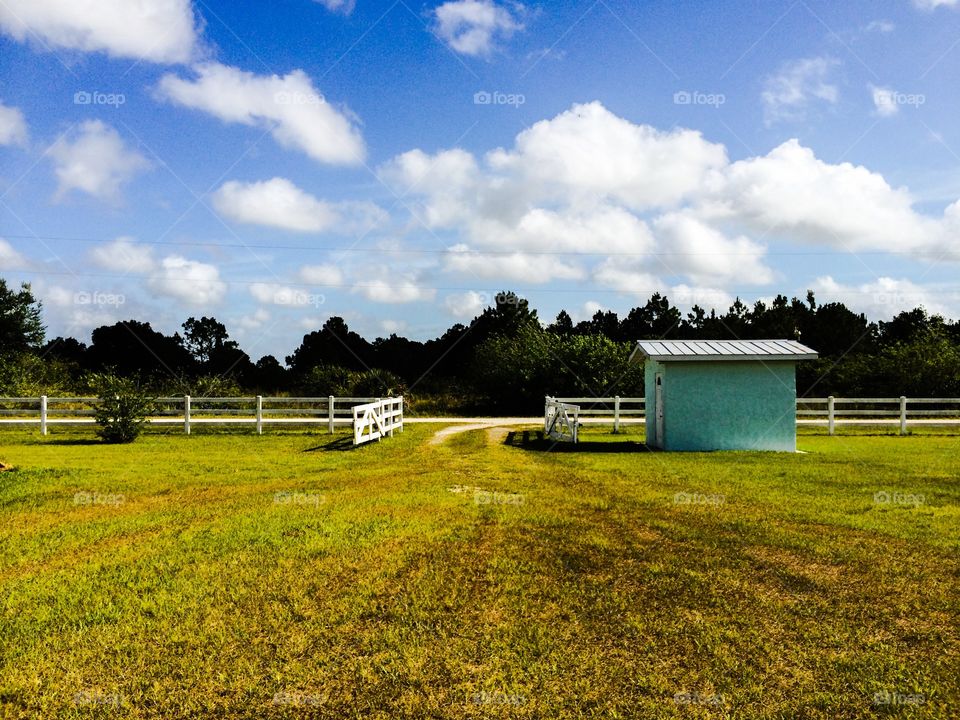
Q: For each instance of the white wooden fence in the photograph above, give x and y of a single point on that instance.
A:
(829, 411)
(334, 412)
(372, 421)
(561, 421)
(189, 411)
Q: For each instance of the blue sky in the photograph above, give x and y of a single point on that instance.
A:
(397, 164)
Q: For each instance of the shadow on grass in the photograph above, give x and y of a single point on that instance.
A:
(536, 441)
(73, 441)
(339, 445)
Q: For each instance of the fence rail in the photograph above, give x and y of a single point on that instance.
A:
(189, 411)
(336, 412)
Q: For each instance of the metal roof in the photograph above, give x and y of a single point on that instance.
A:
(701, 350)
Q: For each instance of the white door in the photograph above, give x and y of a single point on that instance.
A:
(658, 409)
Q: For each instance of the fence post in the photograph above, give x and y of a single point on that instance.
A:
(830, 414)
(903, 415)
(379, 410)
(616, 414)
(330, 401)
(43, 414)
(186, 414)
(259, 415)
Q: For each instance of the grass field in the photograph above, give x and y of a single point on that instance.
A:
(234, 576)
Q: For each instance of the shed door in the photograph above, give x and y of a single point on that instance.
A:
(658, 408)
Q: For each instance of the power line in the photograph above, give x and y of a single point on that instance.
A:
(437, 251)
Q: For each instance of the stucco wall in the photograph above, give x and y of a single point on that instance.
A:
(726, 405)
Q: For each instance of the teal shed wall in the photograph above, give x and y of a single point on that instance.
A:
(724, 405)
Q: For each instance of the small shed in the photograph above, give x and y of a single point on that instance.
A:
(721, 394)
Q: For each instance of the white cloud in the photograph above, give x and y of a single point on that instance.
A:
(793, 193)
(294, 112)
(10, 259)
(162, 31)
(588, 152)
(124, 255)
(96, 161)
(471, 27)
(934, 4)
(788, 94)
(880, 26)
(393, 326)
(886, 296)
(189, 281)
(322, 275)
(13, 127)
(279, 294)
(281, 204)
(706, 256)
(627, 276)
(391, 287)
(341, 6)
(686, 296)
(518, 266)
(465, 306)
(884, 100)
(257, 319)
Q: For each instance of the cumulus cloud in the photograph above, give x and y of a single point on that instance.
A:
(340, 6)
(294, 112)
(886, 296)
(10, 259)
(880, 26)
(706, 256)
(95, 160)
(799, 83)
(471, 27)
(591, 196)
(13, 127)
(281, 204)
(884, 100)
(255, 320)
(465, 306)
(124, 255)
(161, 31)
(517, 266)
(934, 4)
(384, 286)
(790, 191)
(322, 275)
(189, 281)
(588, 152)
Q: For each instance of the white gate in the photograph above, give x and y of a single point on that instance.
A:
(375, 420)
(561, 421)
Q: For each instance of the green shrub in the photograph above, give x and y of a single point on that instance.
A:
(122, 409)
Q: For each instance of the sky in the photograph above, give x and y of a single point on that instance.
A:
(399, 163)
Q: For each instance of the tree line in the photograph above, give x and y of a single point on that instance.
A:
(505, 359)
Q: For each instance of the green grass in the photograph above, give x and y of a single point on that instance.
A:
(583, 588)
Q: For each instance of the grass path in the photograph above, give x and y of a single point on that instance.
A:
(475, 579)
